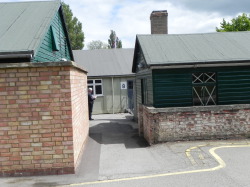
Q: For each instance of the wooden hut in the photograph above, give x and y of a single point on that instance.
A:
(193, 71)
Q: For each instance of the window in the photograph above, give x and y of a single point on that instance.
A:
(204, 89)
(130, 85)
(144, 93)
(96, 85)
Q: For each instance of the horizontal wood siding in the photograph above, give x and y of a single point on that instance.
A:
(172, 88)
(234, 86)
(147, 75)
(45, 52)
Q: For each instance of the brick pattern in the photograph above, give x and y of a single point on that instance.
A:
(159, 22)
(147, 125)
(221, 123)
(140, 119)
(36, 131)
(80, 118)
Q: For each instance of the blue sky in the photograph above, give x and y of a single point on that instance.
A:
(131, 17)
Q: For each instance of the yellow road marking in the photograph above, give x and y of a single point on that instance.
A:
(221, 165)
(192, 160)
(201, 156)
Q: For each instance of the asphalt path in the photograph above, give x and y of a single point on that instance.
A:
(235, 173)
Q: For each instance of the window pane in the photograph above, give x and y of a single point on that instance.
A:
(210, 95)
(90, 81)
(209, 77)
(98, 81)
(197, 95)
(197, 78)
(98, 90)
(130, 84)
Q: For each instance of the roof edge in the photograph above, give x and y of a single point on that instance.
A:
(125, 75)
(42, 64)
(198, 65)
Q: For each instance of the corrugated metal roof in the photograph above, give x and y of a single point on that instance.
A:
(23, 24)
(195, 48)
(105, 62)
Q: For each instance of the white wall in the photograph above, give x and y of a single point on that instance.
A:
(113, 100)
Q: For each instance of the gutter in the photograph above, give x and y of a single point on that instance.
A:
(108, 76)
(215, 64)
(16, 55)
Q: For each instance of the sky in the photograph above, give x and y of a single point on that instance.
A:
(131, 17)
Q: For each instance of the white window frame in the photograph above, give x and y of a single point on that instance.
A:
(94, 84)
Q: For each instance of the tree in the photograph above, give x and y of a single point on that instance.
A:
(240, 23)
(114, 41)
(97, 44)
(74, 27)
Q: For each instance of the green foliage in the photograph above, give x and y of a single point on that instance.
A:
(240, 23)
(114, 41)
(97, 44)
(74, 28)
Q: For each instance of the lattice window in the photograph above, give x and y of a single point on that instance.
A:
(96, 85)
(204, 89)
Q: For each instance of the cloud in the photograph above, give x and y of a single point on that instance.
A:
(129, 18)
(223, 7)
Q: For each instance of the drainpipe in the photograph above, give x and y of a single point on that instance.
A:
(113, 95)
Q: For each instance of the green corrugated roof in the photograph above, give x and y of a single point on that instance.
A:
(23, 24)
(195, 48)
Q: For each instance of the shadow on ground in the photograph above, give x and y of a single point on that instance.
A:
(117, 131)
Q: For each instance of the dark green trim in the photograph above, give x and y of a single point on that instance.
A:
(66, 33)
(55, 43)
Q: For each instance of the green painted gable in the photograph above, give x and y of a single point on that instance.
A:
(33, 31)
(54, 46)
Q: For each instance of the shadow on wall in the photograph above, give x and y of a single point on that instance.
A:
(117, 131)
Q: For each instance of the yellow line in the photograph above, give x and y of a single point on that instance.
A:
(201, 156)
(221, 165)
(190, 157)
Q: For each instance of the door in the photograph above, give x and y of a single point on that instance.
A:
(131, 95)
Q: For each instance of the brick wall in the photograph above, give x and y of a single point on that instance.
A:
(39, 114)
(195, 123)
(79, 112)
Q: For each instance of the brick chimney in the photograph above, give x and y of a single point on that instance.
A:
(159, 22)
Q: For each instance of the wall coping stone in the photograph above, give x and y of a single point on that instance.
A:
(42, 64)
(214, 108)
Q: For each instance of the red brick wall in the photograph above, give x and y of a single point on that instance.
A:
(148, 125)
(195, 123)
(38, 117)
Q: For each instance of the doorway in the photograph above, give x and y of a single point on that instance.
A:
(131, 95)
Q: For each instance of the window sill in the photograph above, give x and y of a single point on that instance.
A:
(99, 96)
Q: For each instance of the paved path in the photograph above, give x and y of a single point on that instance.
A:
(115, 152)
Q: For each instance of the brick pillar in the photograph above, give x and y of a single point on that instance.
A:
(43, 118)
(159, 22)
